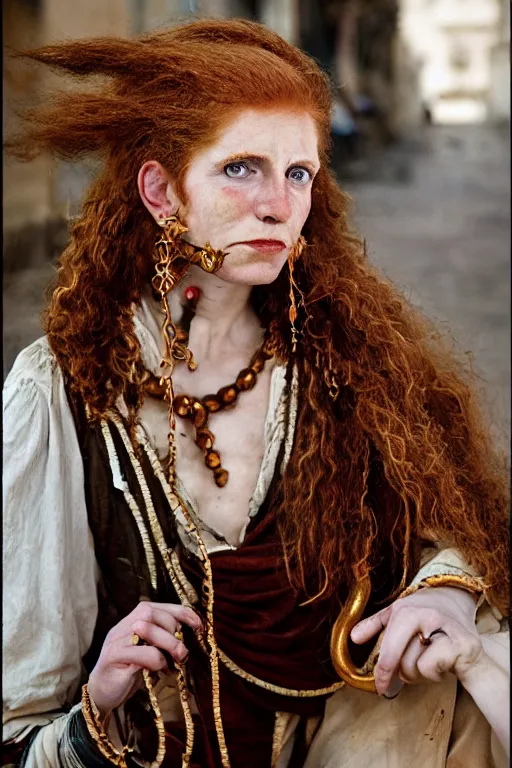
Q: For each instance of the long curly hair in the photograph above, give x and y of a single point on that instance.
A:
(390, 447)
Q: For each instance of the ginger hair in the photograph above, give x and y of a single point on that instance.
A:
(390, 445)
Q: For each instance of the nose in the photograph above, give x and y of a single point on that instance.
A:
(273, 203)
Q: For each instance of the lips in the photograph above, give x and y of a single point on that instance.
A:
(270, 246)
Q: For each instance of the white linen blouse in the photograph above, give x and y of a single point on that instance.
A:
(50, 572)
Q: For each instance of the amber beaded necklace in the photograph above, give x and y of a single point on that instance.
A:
(197, 410)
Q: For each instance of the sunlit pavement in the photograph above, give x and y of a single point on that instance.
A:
(437, 222)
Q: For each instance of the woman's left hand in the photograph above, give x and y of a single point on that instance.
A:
(443, 617)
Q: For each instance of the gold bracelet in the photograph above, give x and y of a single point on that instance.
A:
(159, 723)
(470, 583)
(99, 736)
(103, 742)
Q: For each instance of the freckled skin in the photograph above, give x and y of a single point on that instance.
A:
(267, 204)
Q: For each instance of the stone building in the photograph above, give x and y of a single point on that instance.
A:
(499, 93)
(38, 195)
(455, 40)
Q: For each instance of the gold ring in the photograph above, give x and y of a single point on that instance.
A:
(426, 641)
(179, 635)
(135, 639)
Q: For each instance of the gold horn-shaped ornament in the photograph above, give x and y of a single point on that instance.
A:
(350, 615)
(210, 260)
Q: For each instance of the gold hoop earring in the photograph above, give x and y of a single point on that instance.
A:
(295, 253)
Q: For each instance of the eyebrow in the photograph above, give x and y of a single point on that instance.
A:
(247, 156)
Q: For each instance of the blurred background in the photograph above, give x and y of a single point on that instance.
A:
(421, 140)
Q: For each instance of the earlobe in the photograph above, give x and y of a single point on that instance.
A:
(156, 190)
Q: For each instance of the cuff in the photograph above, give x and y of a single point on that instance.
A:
(442, 561)
(460, 581)
(78, 747)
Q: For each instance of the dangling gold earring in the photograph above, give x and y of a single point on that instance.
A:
(206, 257)
(295, 253)
(166, 252)
(170, 268)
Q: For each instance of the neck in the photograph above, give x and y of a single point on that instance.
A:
(225, 322)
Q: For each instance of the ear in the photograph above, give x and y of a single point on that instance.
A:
(157, 190)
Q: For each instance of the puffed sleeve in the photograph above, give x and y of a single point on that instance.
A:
(49, 568)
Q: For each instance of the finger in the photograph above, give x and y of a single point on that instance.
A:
(179, 612)
(138, 656)
(168, 620)
(404, 624)
(153, 615)
(164, 614)
(371, 626)
(161, 638)
(408, 668)
(394, 688)
(438, 659)
(144, 612)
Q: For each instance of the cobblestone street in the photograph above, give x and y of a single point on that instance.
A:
(436, 220)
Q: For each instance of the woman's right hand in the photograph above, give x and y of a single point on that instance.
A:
(116, 675)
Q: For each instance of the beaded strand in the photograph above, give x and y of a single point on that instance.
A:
(198, 410)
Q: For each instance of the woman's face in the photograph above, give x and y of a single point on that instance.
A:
(249, 194)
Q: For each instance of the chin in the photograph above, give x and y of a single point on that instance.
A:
(251, 274)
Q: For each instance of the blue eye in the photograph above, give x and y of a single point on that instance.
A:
(300, 175)
(236, 170)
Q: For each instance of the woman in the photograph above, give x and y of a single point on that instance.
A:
(231, 425)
